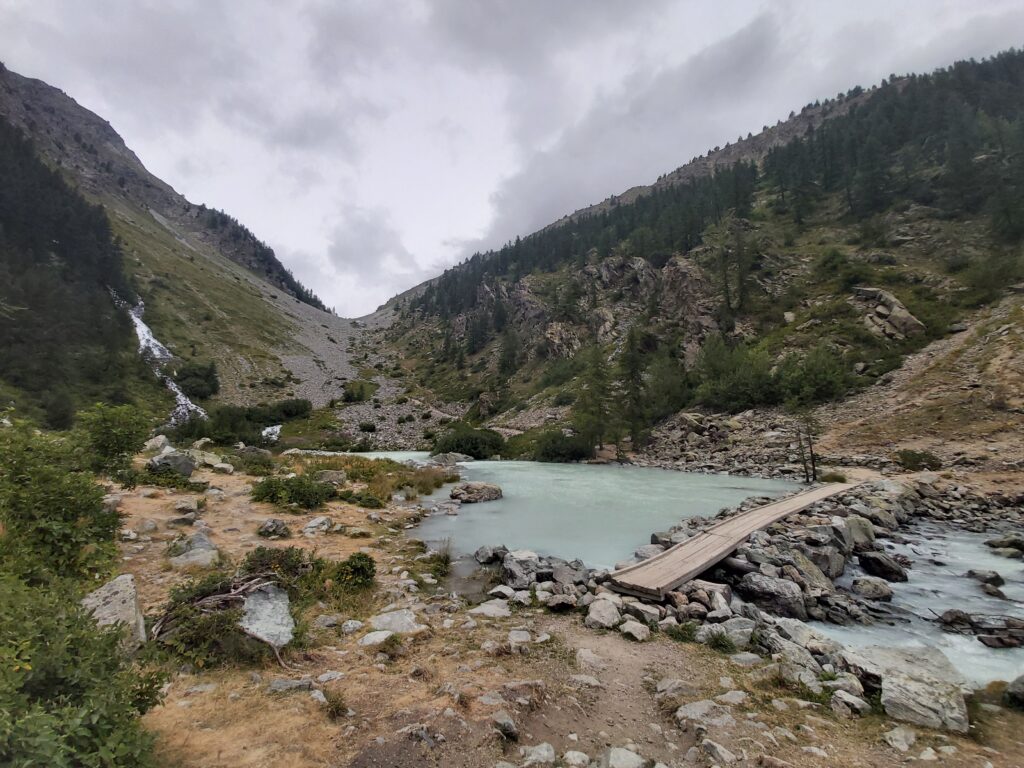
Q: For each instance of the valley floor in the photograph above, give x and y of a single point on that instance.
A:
(440, 699)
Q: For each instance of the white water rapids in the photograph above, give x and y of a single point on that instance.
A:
(158, 355)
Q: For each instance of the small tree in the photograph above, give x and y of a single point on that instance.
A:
(113, 434)
(631, 383)
(591, 414)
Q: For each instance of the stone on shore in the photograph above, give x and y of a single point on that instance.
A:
(117, 602)
(882, 565)
(602, 614)
(775, 595)
(473, 493)
(872, 588)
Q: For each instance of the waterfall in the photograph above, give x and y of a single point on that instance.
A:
(158, 355)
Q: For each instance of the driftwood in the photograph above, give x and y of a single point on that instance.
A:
(232, 597)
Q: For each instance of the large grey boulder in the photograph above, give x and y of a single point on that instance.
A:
(155, 444)
(620, 757)
(472, 493)
(401, 622)
(173, 461)
(519, 568)
(267, 616)
(492, 609)
(738, 629)
(882, 565)
(117, 602)
(918, 685)
(450, 459)
(198, 551)
(704, 714)
(777, 596)
(872, 588)
(602, 614)
(861, 530)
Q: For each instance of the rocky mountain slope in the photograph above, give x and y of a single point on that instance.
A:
(212, 290)
(816, 256)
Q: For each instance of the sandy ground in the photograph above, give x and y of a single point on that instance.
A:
(446, 683)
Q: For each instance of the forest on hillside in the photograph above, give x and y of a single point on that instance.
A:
(953, 139)
(63, 343)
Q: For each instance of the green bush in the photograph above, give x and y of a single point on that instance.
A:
(367, 426)
(68, 697)
(817, 377)
(198, 379)
(358, 391)
(252, 461)
(228, 424)
(360, 498)
(53, 518)
(555, 446)
(112, 434)
(462, 438)
(734, 378)
(915, 461)
(356, 572)
(300, 491)
(564, 398)
(683, 633)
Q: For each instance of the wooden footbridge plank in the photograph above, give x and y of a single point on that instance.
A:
(656, 576)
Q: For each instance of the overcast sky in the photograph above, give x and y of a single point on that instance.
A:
(373, 143)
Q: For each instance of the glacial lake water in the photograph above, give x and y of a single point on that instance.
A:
(602, 513)
(598, 513)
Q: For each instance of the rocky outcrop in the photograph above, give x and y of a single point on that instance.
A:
(886, 315)
(473, 493)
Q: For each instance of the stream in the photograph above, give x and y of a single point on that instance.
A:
(158, 356)
(601, 514)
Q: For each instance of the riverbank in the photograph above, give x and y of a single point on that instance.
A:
(467, 687)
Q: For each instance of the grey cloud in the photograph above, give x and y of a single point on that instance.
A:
(653, 125)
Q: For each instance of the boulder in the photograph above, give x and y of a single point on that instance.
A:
(602, 614)
(274, 528)
(155, 444)
(872, 588)
(319, 524)
(882, 565)
(492, 609)
(561, 603)
(738, 629)
(986, 577)
(900, 738)
(117, 602)
(373, 639)
(861, 530)
(266, 615)
(486, 555)
(918, 685)
(619, 757)
(450, 459)
(648, 551)
(401, 622)
(634, 630)
(704, 714)
(473, 493)
(174, 461)
(846, 704)
(332, 476)
(198, 551)
(519, 569)
(505, 724)
(775, 595)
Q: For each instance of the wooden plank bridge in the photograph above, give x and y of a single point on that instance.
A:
(658, 575)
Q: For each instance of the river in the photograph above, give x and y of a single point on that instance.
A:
(601, 514)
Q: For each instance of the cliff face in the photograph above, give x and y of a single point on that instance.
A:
(101, 165)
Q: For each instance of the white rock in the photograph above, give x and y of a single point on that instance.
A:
(635, 631)
(493, 609)
(401, 622)
(117, 602)
(373, 639)
(602, 614)
(266, 615)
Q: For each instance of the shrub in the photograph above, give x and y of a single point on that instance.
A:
(915, 461)
(564, 398)
(358, 391)
(68, 697)
(367, 426)
(832, 477)
(198, 379)
(336, 706)
(360, 498)
(113, 434)
(683, 633)
(300, 491)
(53, 518)
(229, 424)
(555, 446)
(734, 378)
(356, 572)
(721, 642)
(252, 461)
(817, 377)
(462, 438)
